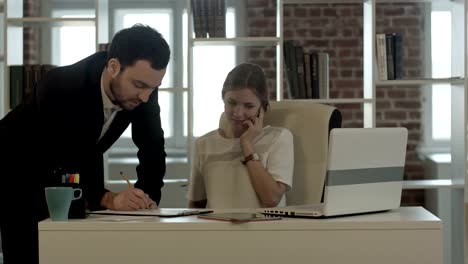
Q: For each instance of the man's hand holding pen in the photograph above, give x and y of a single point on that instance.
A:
(132, 199)
(128, 200)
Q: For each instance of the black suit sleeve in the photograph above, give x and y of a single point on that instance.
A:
(148, 136)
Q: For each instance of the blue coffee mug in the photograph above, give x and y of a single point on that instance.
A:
(59, 200)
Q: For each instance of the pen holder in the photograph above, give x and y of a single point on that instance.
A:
(78, 206)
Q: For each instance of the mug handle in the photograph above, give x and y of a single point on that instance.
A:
(74, 193)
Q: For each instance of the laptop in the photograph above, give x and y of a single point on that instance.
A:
(365, 170)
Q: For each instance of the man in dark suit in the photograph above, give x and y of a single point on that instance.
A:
(74, 115)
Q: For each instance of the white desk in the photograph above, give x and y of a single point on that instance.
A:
(407, 235)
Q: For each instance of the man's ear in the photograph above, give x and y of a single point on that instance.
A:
(113, 67)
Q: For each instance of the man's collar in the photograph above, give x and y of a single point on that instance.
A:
(106, 101)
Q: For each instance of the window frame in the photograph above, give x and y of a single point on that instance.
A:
(429, 144)
(175, 143)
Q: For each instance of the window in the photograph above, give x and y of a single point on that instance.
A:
(441, 67)
(72, 43)
(162, 20)
(206, 115)
(437, 106)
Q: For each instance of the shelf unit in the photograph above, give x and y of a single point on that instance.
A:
(13, 25)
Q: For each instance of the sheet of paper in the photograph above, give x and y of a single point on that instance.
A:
(162, 212)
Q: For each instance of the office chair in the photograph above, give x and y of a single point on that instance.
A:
(310, 124)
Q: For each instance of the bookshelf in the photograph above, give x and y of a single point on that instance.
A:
(14, 24)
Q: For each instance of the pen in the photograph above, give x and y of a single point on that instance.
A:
(126, 179)
(130, 185)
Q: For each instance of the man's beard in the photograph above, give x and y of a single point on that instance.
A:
(116, 101)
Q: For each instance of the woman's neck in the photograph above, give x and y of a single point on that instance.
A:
(228, 132)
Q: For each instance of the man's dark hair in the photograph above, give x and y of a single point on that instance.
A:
(140, 42)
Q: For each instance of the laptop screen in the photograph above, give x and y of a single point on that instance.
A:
(365, 169)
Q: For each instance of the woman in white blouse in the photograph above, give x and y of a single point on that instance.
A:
(244, 164)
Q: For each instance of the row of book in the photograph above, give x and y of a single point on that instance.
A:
(22, 80)
(307, 73)
(209, 18)
(389, 49)
(103, 46)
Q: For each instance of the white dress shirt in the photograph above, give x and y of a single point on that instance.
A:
(110, 110)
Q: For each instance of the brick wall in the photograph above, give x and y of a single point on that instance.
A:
(338, 29)
(31, 35)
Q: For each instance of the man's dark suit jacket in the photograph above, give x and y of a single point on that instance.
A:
(59, 127)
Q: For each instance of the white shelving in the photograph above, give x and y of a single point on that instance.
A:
(454, 80)
(50, 21)
(245, 41)
(431, 184)
(14, 21)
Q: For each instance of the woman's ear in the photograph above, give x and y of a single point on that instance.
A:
(113, 67)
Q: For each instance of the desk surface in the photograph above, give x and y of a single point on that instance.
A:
(407, 217)
(407, 235)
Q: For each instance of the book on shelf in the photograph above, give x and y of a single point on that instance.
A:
(197, 22)
(291, 68)
(301, 89)
(209, 18)
(381, 56)
(323, 75)
(389, 56)
(103, 46)
(307, 73)
(397, 39)
(390, 61)
(220, 18)
(314, 75)
(308, 76)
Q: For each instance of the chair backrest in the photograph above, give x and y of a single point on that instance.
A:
(310, 124)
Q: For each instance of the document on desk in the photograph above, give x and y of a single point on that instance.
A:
(160, 212)
(239, 217)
